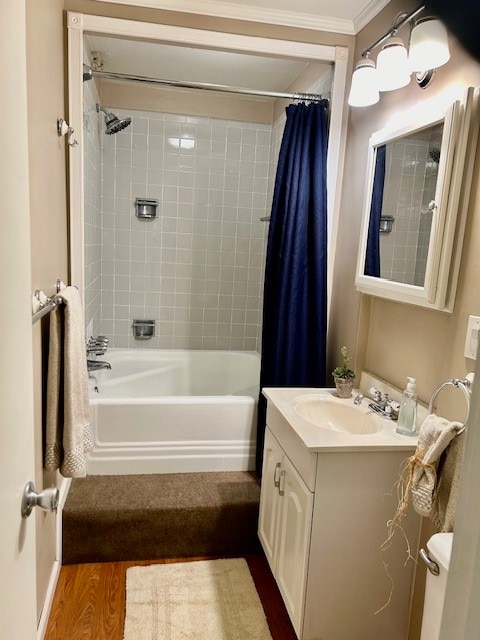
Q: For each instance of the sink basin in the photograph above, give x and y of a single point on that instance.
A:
(331, 413)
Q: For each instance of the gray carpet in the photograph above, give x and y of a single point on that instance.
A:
(146, 517)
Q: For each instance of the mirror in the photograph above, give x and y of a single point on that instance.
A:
(411, 208)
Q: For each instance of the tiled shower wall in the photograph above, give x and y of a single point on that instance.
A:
(197, 268)
(404, 250)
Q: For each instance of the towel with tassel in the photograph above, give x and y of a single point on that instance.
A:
(434, 437)
(68, 431)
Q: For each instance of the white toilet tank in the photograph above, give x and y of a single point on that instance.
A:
(439, 551)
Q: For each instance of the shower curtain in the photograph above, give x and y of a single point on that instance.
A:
(372, 256)
(295, 292)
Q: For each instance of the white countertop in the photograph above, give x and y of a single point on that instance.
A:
(316, 438)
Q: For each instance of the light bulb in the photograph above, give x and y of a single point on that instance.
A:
(392, 66)
(364, 88)
(428, 46)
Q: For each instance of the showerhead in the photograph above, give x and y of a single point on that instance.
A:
(112, 122)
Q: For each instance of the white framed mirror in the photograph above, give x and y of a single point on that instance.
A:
(411, 219)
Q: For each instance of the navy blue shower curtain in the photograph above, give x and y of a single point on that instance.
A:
(295, 293)
(372, 257)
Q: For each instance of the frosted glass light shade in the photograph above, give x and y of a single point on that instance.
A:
(393, 70)
(364, 89)
(428, 46)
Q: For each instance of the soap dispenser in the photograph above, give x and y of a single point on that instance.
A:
(407, 416)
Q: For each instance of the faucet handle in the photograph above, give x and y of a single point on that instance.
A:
(377, 395)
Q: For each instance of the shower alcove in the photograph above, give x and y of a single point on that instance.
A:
(208, 159)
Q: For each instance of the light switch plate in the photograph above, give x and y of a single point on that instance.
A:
(472, 339)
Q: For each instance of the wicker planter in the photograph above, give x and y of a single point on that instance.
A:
(344, 387)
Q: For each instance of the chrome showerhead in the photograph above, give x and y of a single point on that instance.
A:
(112, 122)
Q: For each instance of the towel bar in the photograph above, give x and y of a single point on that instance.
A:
(464, 385)
(47, 304)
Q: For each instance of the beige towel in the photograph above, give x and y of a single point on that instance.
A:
(434, 436)
(448, 479)
(67, 439)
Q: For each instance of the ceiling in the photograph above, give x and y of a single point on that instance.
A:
(194, 65)
(227, 68)
(340, 16)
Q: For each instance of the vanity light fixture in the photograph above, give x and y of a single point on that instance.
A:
(393, 70)
(428, 45)
(394, 66)
(364, 89)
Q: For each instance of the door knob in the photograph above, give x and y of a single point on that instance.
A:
(46, 499)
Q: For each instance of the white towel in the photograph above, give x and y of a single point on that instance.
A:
(67, 440)
(434, 436)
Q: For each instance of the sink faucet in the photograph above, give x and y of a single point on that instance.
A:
(95, 365)
(381, 404)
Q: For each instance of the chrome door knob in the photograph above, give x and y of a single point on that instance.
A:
(46, 499)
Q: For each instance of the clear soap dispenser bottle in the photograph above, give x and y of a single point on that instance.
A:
(407, 416)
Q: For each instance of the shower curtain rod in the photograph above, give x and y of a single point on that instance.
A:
(108, 75)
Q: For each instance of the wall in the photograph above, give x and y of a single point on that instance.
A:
(47, 166)
(196, 268)
(432, 342)
(390, 339)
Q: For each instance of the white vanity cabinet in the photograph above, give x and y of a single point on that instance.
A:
(323, 515)
(286, 509)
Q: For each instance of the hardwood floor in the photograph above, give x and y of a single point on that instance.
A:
(89, 602)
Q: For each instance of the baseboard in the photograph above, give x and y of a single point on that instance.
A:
(57, 565)
(47, 604)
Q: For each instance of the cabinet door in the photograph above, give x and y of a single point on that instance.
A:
(270, 497)
(294, 542)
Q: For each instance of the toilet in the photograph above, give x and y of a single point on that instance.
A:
(439, 551)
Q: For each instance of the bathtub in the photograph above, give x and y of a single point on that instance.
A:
(162, 411)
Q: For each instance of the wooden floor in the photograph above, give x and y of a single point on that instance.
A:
(89, 602)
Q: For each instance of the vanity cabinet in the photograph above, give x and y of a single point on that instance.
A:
(323, 518)
(286, 509)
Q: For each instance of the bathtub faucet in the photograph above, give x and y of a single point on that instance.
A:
(95, 365)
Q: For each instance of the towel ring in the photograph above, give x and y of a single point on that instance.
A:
(458, 384)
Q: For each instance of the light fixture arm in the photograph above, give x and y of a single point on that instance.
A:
(407, 17)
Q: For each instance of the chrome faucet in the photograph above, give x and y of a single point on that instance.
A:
(95, 365)
(380, 404)
(97, 347)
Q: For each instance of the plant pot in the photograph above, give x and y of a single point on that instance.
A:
(344, 387)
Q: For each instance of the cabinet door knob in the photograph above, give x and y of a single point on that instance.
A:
(276, 483)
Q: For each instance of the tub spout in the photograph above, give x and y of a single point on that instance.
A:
(95, 365)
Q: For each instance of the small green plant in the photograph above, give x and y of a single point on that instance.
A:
(344, 371)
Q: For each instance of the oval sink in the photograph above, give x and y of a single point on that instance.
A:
(336, 415)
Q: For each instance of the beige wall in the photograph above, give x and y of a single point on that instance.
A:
(186, 102)
(45, 93)
(394, 340)
(390, 339)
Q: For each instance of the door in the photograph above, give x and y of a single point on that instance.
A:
(270, 497)
(17, 536)
(294, 542)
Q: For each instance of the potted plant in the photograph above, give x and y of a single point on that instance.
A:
(343, 376)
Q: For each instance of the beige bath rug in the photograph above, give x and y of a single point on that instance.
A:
(206, 600)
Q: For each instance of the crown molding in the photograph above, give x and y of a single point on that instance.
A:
(370, 11)
(249, 13)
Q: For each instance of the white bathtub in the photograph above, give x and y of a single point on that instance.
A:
(161, 411)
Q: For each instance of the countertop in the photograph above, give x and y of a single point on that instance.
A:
(316, 438)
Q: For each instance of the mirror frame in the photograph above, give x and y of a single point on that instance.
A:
(448, 222)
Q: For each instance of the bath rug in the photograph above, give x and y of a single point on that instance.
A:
(202, 600)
